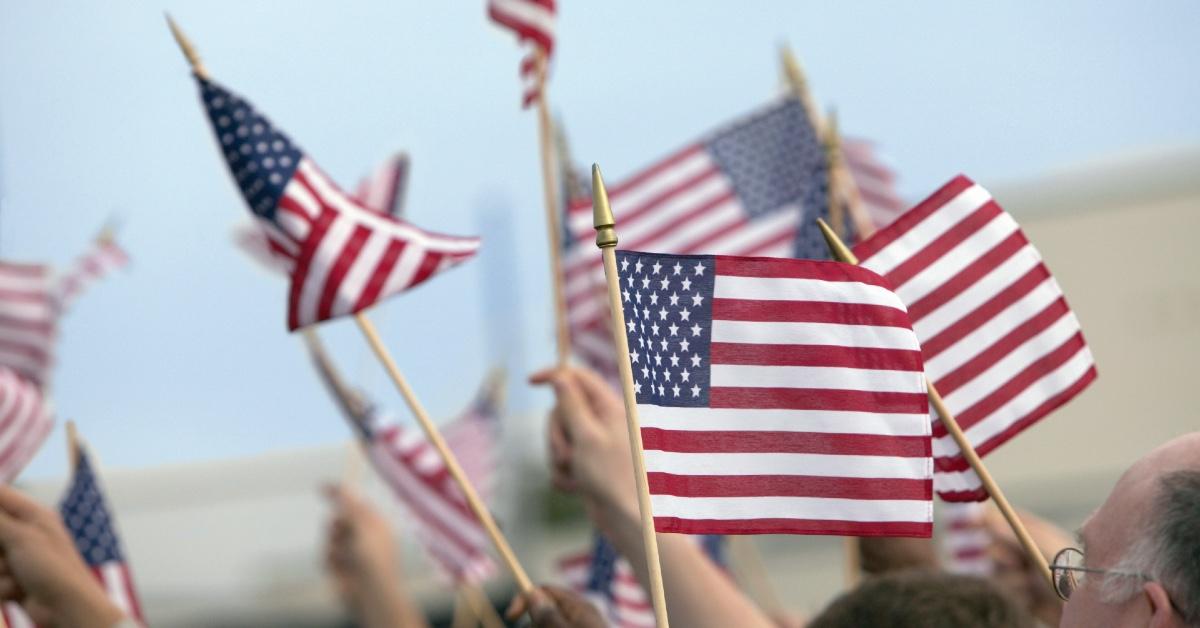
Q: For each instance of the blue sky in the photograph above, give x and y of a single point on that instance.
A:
(185, 356)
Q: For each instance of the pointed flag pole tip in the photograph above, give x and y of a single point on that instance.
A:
(837, 248)
(602, 216)
(185, 46)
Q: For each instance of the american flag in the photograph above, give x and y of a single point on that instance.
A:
(777, 396)
(999, 341)
(28, 319)
(875, 179)
(102, 258)
(381, 192)
(342, 257)
(418, 476)
(965, 539)
(26, 418)
(87, 518)
(754, 187)
(533, 21)
(607, 580)
(474, 434)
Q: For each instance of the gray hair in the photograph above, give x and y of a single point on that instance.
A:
(1169, 550)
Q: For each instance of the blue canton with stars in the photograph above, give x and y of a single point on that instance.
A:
(261, 158)
(86, 517)
(667, 301)
(774, 159)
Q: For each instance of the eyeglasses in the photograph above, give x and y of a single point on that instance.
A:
(1068, 572)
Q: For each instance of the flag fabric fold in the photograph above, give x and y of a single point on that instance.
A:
(753, 187)
(382, 191)
(1000, 342)
(777, 396)
(534, 23)
(342, 257)
(104, 256)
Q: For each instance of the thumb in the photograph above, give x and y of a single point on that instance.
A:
(11, 530)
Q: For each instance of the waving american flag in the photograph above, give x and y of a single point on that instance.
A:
(341, 256)
(753, 187)
(1000, 342)
(533, 21)
(777, 396)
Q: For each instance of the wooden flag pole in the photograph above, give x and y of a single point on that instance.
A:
(435, 438)
(606, 239)
(462, 617)
(844, 254)
(480, 606)
(841, 185)
(431, 432)
(74, 450)
(546, 142)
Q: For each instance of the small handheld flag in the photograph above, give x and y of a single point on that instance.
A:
(344, 257)
(777, 396)
(1000, 343)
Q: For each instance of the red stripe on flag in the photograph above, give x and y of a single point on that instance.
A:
(337, 272)
(793, 526)
(817, 399)
(429, 264)
(1013, 387)
(702, 442)
(315, 234)
(971, 369)
(815, 355)
(380, 275)
(967, 277)
(944, 243)
(781, 268)
(788, 486)
(809, 312)
(864, 250)
(986, 312)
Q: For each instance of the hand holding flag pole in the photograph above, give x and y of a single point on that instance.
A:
(474, 503)
(606, 240)
(842, 253)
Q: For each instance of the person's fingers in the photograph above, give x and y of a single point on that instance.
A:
(544, 612)
(599, 394)
(516, 608)
(11, 529)
(19, 505)
(575, 413)
(543, 376)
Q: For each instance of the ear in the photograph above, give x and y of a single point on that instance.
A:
(1162, 614)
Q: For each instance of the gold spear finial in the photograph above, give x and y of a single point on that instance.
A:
(602, 216)
(185, 45)
(840, 251)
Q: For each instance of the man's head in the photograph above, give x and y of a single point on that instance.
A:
(924, 599)
(1149, 525)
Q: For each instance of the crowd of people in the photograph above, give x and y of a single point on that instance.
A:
(1137, 560)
